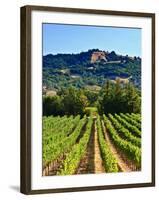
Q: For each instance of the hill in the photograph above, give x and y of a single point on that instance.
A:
(90, 68)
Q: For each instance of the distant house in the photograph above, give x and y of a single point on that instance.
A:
(122, 81)
(75, 76)
(51, 93)
(90, 68)
(114, 62)
(44, 88)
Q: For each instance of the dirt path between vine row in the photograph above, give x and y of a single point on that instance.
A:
(92, 161)
(99, 168)
(121, 163)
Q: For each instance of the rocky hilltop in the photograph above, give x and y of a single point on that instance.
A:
(98, 56)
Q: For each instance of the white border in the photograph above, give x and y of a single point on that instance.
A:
(39, 182)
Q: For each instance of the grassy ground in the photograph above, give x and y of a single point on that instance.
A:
(93, 111)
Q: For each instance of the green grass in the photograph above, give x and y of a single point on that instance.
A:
(91, 111)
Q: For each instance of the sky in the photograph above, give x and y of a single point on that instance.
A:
(60, 38)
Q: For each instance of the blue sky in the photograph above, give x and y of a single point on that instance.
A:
(58, 38)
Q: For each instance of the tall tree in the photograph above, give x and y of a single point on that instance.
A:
(133, 99)
(74, 101)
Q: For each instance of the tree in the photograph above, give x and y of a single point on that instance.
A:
(91, 96)
(133, 99)
(74, 102)
(107, 98)
(52, 105)
(118, 98)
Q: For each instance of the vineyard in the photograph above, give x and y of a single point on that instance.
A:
(91, 144)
